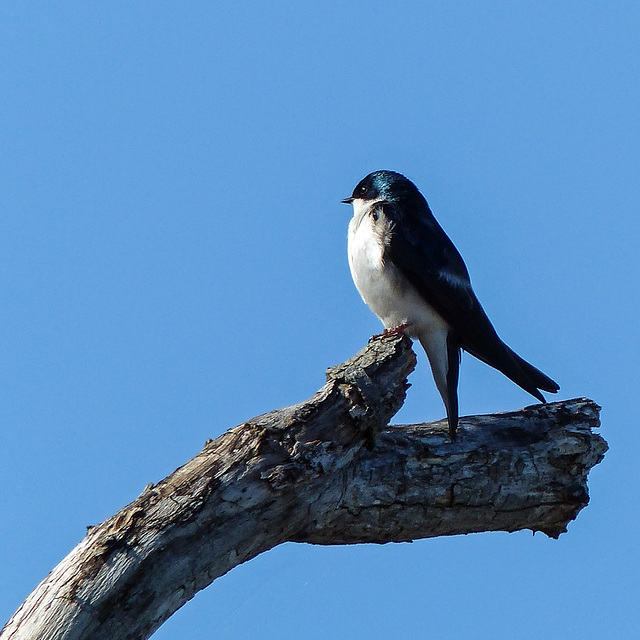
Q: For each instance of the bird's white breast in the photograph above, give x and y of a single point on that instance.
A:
(382, 286)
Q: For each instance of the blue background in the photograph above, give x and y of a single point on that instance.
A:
(173, 262)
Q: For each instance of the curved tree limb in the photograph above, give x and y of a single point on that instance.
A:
(326, 471)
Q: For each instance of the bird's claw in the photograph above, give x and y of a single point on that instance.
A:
(394, 331)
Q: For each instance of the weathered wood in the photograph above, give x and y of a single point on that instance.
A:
(326, 471)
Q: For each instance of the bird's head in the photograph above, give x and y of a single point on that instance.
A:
(388, 186)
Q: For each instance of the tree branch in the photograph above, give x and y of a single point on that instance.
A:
(326, 471)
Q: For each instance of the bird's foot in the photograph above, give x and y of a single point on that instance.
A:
(401, 328)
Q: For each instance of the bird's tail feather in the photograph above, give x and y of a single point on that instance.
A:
(539, 379)
(453, 372)
(517, 369)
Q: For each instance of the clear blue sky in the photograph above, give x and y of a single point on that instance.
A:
(173, 262)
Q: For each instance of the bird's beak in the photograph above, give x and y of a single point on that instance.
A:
(347, 200)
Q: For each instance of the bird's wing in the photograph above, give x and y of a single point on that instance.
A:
(425, 255)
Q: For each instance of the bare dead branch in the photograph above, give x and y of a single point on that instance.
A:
(326, 471)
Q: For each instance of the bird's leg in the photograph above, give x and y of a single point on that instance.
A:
(394, 331)
(401, 328)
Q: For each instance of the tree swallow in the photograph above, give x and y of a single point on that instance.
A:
(413, 278)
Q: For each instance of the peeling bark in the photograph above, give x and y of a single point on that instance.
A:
(325, 471)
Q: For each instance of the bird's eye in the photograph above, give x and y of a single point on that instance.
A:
(363, 189)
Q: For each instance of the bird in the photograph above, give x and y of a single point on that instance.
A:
(411, 275)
